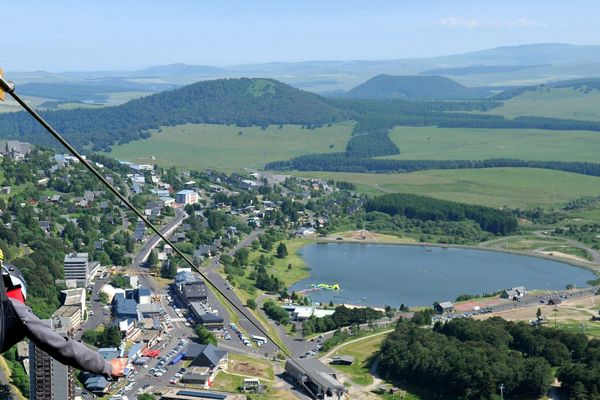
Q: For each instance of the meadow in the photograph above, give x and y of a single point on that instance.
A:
(202, 146)
(567, 103)
(432, 143)
(495, 187)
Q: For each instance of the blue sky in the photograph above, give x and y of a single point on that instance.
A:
(62, 35)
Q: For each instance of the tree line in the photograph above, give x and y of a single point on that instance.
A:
(343, 162)
(342, 317)
(430, 209)
(470, 359)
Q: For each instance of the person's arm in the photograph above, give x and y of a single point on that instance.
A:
(64, 349)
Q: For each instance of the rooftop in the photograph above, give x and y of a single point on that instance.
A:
(317, 372)
(195, 290)
(209, 356)
(76, 257)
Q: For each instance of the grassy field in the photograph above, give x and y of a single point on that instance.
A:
(362, 350)
(201, 146)
(574, 251)
(556, 103)
(250, 366)
(496, 187)
(280, 269)
(477, 144)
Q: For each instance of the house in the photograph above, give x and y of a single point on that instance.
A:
(96, 384)
(185, 278)
(150, 310)
(513, 293)
(167, 201)
(203, 369)
(143, 295)
(314, 377)
(302, 313)
(247, 184)
(209, 321)
(140, 232)
(342, 360)
(135, 351)
(194, 292)
(45, 226)
(210, 357)
(187, 196)
(193, 350)
(445, 307)
(205, 250)
(127, 327)
(304, 231)
(111, 291)
(124, 308)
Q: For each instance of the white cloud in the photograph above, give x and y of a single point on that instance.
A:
(454, 22)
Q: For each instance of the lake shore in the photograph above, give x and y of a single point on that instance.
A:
(476, 281)
(404, 242)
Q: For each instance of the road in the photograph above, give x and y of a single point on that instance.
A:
(166, 230)
(529, 301)
(594, 253)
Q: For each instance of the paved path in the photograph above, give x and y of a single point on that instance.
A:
(339, 346)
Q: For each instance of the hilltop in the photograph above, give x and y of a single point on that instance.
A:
(244, 102)
(411, 87)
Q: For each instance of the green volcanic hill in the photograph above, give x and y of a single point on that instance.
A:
(244, 102)
(411, 87)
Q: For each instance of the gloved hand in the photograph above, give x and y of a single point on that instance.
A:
(118, 366)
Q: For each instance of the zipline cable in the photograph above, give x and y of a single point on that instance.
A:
(9, 88)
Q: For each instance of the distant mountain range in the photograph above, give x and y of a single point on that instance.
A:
(503, 66)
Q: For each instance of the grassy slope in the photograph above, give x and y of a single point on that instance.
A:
(476, 144)
(200, 146)
(556, 103)
(496, 187)
(359, 371)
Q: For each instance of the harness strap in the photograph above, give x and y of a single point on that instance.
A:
(3, 295)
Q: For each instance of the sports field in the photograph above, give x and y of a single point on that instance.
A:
(201, 146)
(566, 103)
(495, 187)
(434, 143)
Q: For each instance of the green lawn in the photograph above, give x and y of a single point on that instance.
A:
(280, 269)
(591, 328)
(477, 144)
(556, 103)
(201, 146)
(362, 350)
(495, 187)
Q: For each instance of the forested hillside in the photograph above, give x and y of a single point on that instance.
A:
(411, 87)
(244, 102)
(430, 209)
(470, 359)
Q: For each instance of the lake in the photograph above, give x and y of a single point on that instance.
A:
(377, 275)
